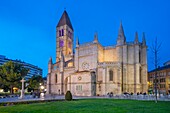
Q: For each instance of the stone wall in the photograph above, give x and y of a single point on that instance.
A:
(80, 84)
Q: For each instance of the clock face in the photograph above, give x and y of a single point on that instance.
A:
(85, 66)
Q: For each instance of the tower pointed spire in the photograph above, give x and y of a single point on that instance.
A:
(143, 39)
(50, 60)
(136, 41)
(95, 38)
(121, 31)
(65, 20)
(50, 63)
(121, 36)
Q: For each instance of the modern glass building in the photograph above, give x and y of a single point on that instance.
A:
(33, 70)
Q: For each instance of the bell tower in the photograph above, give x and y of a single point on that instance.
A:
(64, 37)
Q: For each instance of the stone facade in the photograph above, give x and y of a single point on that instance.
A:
(94, 69)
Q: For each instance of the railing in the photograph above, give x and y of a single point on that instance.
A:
(109, 47)
(108, 63)
(86, 44)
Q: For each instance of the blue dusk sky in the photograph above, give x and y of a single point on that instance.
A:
(28, 27)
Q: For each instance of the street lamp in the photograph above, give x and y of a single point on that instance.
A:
(41, 90)
(42, 87)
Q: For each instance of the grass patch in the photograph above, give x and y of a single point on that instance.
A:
(90, 106)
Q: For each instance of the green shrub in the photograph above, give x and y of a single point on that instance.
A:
(68, 96)
(28, 102)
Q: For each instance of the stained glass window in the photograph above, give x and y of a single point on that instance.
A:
(61, 43)
(59, 32)
(69, 33)
(62, 32)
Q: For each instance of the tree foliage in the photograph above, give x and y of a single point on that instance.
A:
(11, 73)
(34, 82)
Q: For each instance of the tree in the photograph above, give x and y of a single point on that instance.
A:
(68, 96)
(34, 82)
(3, 85)
(1, 80)
(155, 50)
(11, 73)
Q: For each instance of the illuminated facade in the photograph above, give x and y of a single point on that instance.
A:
(163, 79)
(94, 69)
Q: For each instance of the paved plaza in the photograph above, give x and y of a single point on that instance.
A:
(61, 97)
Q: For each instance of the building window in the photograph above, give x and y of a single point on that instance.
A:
(169, 73)
(56, 78)
(140, 76)
(164, 74)
(162, 80)
(69, 34)
(62, 32)
(79, 88)
(61, 43)
(110, 75)
(139, 57)
(162, 85)
(59, 32)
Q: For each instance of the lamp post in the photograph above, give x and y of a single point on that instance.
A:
(41, 91)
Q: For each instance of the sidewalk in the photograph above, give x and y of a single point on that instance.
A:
(61, 97)
(29, 98)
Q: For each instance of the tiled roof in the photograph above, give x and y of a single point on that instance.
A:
(161, 68)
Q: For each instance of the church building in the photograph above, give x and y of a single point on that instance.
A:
(94, 69)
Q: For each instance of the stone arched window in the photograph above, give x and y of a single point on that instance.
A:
(56, 78)
(61, 43)
(110, 75)
(140, 77)
(139, 57)
(59, 32)
(69, 34)
(62, 31)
